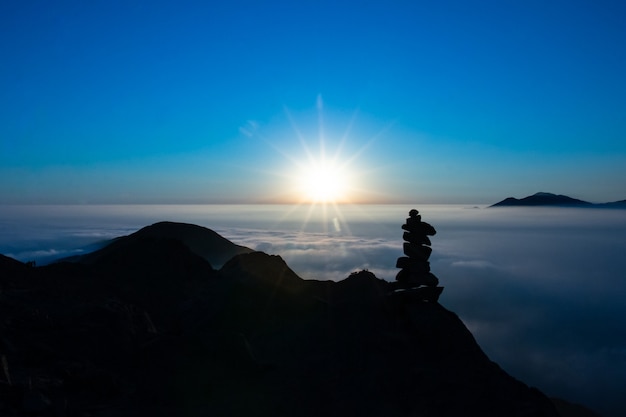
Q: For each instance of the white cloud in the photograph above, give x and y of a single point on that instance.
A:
(542, 290)
(476, 263)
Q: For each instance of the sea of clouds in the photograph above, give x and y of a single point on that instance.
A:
(543, 290)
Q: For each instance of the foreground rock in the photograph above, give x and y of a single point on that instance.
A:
(153, 329)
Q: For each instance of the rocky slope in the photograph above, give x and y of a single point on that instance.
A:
(148, 327)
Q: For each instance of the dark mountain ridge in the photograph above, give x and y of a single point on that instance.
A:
(557, 200)
(148, 327)
(200, 240)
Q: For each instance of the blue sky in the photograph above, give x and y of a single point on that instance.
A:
(205, 102)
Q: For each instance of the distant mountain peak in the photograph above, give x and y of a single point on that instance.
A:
(543, 198)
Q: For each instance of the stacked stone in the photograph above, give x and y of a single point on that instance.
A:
(415, 272)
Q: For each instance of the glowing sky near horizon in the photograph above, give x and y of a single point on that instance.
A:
(207, 102)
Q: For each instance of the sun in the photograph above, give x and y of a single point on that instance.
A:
(325, 166)
(322, 181)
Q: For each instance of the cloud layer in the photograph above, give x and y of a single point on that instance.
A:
(542, 290)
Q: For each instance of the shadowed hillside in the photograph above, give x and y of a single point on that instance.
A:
(148, 327)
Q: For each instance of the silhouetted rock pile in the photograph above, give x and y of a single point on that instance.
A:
(415, 277)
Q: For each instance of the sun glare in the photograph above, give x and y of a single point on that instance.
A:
(325, 170)
(323, 182)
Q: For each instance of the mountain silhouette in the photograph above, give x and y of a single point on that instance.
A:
(556, 200)
(200, 240)
(614, 204)
(543, 199)
(11, 266)
(146, 326)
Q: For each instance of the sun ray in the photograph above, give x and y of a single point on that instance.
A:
(325, 171)
(299, 135)
(320, 125)
(369, 143)
(346, 134)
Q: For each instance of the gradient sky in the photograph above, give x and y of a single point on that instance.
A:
(207, 102)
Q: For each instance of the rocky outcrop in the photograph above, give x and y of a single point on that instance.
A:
(152, 329)
(415, 281)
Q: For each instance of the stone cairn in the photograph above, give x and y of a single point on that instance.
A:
(415, 278)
